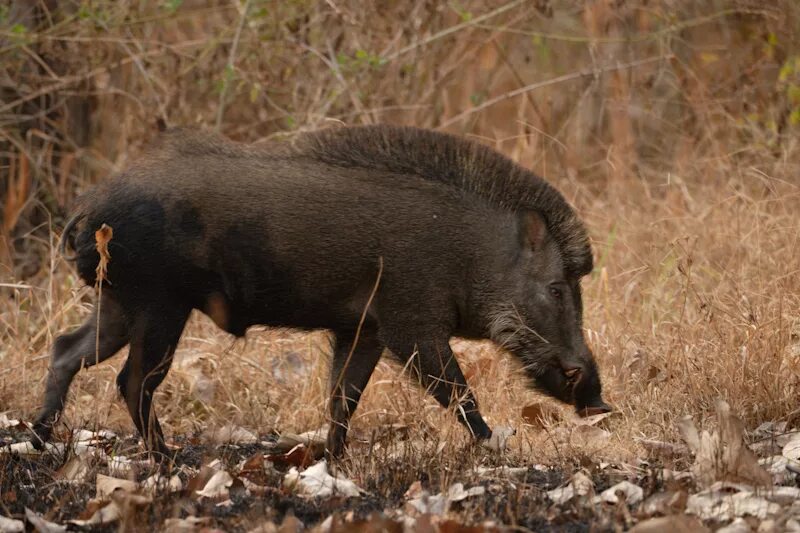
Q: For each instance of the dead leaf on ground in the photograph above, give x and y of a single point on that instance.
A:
(6, 422)
(779, 467)
(93, 437)
(106, 514)
(41, 525)
(791, 450)
(510, 472)
(291, 524)
(217, 487)
(10, 525)
(662, 448)
(588, 435)
(197, 369)
(540, 414)
(579, 485)
(375, 523)
(76, 470)
(723, 454)
(314, 440)
(725, 501)
(106, 485)
(453, 526)
(665, 503)
(300, 457)
(498, 442)
(425, 503)
(782, 495)
(230, 434)
(200, 478)
(121, 466)
(257, 470)
(315, 481)
(630, 493)
(674, 524)
(457, 493)
(26, 448)
(190, 524)
(158, 482)
(740, 525)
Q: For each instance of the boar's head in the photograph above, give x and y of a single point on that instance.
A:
(540, 321)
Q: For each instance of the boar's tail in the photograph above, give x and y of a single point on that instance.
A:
(68, 237)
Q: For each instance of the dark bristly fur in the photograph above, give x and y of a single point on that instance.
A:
(458, 162)
(454, 239)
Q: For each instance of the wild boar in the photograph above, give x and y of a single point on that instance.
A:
(389, 237)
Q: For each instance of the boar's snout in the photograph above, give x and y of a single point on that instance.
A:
(586, 389)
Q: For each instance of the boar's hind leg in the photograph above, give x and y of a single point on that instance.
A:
(350, 373)
(83, 347)
(437, 370)
(155, 331)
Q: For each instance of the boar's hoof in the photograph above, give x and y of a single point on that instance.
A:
(42, 431)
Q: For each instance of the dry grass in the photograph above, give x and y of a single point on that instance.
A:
(685, 169)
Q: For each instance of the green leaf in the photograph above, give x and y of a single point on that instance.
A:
(171, 5)
(255, 90)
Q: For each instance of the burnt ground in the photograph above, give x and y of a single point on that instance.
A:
(37, 483)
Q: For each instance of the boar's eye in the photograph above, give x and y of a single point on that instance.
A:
(555, 292)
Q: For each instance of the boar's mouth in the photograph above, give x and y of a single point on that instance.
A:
(576, 386)
(585, 391)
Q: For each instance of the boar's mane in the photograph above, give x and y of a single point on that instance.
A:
(431, 155)
(458, 162)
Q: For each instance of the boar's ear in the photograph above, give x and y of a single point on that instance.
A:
(533, 229)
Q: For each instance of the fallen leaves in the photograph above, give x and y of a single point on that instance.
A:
(722, 454)
(312, 440)
(106, 485)
(301, 456)
(289, 470)
(230, 434)
(27, 449)
(317, 482)
(498, 442)
(673, 524)
(540, 414)
(41, 525)
(6, 422)
(579, 485)
(629, 493)
(726, 501)
(791, 450)
(9, 525)
(217, 487)
(421, 502)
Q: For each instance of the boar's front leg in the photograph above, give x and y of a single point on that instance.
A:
(155, 331)
(436, 368)
(351, 368)
(83, 347)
